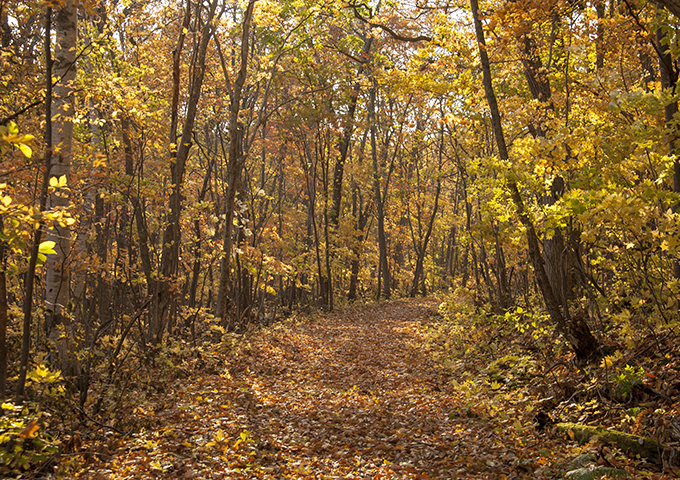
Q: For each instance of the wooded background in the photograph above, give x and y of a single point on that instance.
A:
(171, 168)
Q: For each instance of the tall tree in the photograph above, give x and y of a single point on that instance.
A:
(59, 326)
(172, 233)
(669, 82)
(235, 159)
(29, 281)
(576, 331)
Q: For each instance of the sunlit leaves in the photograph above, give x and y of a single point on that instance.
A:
(45, 248)
(10, 137)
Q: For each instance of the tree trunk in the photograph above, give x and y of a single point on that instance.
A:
(669, 80)
(599, 42)
(3, 317)
(236, 161)
(361, 216)
(576, 331)
(198, 240)
(37, 235)
(348, 129)
(326, 279)
(423, 243)
(171, 235)
(380, 204)
(140, 217)
(421, 251)
(59, 327)
(558, 264)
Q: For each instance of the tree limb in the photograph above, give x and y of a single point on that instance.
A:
(385, 28)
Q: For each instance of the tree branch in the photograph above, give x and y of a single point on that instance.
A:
(385, 28)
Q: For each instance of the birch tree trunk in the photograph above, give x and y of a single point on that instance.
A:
(59, 326)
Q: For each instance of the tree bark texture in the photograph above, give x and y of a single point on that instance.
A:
(380, 204)
(59, 327)
(348, 129)
(558, 263)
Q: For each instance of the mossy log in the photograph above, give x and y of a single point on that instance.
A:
(631, 444)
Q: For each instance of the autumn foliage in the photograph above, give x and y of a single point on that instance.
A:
(180, 179)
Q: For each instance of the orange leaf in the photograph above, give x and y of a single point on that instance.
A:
(31, 430)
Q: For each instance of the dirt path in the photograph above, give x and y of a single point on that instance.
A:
(349, 396)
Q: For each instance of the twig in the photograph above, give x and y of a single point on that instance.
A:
(100, 424)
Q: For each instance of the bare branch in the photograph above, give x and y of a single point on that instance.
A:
(397, 36)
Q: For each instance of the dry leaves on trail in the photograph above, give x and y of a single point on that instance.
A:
(348, 395)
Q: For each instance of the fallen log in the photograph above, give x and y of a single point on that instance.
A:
(632, 444)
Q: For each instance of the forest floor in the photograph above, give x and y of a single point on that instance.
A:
(359, 394)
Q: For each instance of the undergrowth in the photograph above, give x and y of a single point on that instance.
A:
(515, 367)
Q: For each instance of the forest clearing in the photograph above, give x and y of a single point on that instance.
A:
(223, 225)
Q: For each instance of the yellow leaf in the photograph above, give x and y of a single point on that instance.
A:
(25, 149)
(607, 362)
(6, 200)
(47, 248)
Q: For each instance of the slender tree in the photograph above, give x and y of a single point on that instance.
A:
(37, 235)
(235, 160)
(172, 233)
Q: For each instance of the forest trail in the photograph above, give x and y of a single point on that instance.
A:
(352, 395)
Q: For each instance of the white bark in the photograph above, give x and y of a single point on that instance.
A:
(57, 282)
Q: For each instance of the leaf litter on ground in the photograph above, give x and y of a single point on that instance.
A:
(370, 392)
